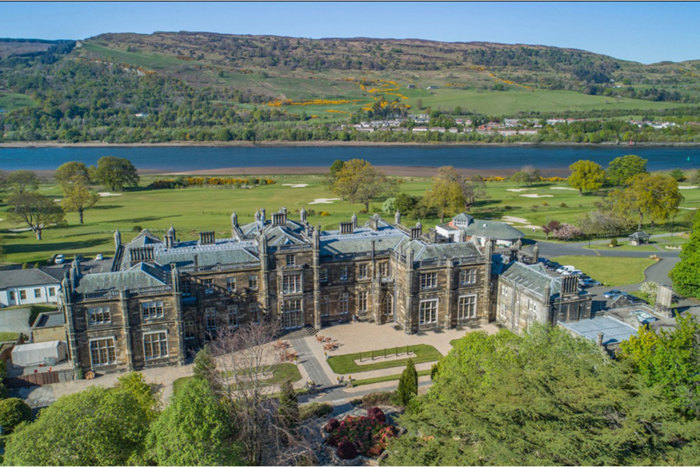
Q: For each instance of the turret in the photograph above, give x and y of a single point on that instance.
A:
(397, 217)
(170, 237)
(302, 215)
(353, 219)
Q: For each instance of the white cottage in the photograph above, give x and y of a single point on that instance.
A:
(27, 287)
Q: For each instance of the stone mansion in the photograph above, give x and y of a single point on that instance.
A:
(159, 300)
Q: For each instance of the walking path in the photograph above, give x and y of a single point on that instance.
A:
(310, 362)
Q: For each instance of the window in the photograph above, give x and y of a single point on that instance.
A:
(467, 276)
(211, 319)
(231, 284)
(291, 284)
(291, 314)
(155, 345)
(362, 301)
(99, 315)
(384, 269)
(290, 260)
(292, 305)
(427, 312)
(343, 273)
(466, 307)
(531, 305)
(232, 316)
(253, 282)
(189, 329)
(102, 352)
(255, 312)
(362, 271)
(428, 280)
(389, 305)
(52, 291)
(325, 305)
(37, 293)
(23, 294)
(344, 302)
(504, 290)
(185, 287)
(12, 294)
(323, 276)
(208, 286)
(151, 310)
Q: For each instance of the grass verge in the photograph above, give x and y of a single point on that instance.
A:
(381, 379)
(8, 336)
(280, 373)
(611, 271)
(344, 364)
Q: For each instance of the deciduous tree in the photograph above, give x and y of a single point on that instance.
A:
(655, 196)
(77, 197)
(13, 411)
(446, 193)
(623, 168)
(526, 176)
(72, 172)
(21, 181)
(116, 173)
(586, 176)
(359, 181)
(36, 210)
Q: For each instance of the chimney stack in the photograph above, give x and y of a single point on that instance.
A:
(207, 238)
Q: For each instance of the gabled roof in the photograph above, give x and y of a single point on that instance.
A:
(386, 238)
(533, 277)
(138, 276)
(639, 234)
(493, 230)
(222, 251)
(25, 278)
(423, 251)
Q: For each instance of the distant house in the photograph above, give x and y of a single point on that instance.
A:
(27, 287)
(430, 88)
(420, 129)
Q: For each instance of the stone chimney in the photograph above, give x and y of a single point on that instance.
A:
(397, 217)
(302, 215)
(207, 238)
(117, 239)
(346, 227)
(141, 254)
(416, 231)
(278, 218)
(263, 215)
(536, 253)
(353, 219)
(234, 220)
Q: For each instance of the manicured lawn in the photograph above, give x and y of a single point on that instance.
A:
(610, 271)
(623, 246)
(381, 379)
(8, 336)
(280, 373)
(191, 210)
(344, 364)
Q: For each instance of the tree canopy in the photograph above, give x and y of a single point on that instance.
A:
(623, 168)
(194, 429)
(78, 197)
(655, 196)
(526, 176)
(72, 172)
(21, 181)
(96, 426)
(359, 181)
(116, 173)
(35, 210)
(447, 192)
(544, 398)
(586, 176)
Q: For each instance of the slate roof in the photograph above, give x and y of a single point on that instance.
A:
(493, 229)
(533, 277)
(640, 235)
(223, 251)
(138, 276)
(386, 238)
(25, 278)
(423, 251)
(50, 320)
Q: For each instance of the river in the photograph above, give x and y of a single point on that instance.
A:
(191, 158)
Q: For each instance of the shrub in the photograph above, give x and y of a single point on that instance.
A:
(332, 425)
(324, 214)
(613, 242)
(347, 450)
(563, 205)
(375, 413)
(136, 228)
(314, 410)
(377, 398)
(408, 384)
(567, 232)
(13, 411)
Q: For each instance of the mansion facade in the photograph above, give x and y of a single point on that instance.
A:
(160, 300)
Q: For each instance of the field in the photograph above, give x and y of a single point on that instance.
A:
(195, 209)
(10, 101)
(281, 372)
(611, 271)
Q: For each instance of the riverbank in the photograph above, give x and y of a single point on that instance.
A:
(99, 144)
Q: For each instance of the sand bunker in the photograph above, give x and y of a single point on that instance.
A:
(562, 188)
(324, 200)
(296, 185)
(518, 190)
(530, 226)
(535, 195)
(688, 187)
(519, 220)
(107, 193)
(689, 209)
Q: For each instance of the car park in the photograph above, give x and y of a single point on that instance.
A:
(568, 267)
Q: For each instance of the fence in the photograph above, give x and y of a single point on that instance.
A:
(392, 351)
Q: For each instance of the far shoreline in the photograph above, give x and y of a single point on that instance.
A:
(98, 144)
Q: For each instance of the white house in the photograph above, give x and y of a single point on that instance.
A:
(464, 227)
(27, 287)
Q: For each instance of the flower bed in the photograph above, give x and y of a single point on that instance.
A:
(366, 435)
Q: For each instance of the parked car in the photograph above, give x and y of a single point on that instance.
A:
(59, 259)
(568, 267)
(613, 293)
(588, 282)
(574, 272)
(99, 257)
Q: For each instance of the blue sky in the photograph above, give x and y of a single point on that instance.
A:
(644, 32)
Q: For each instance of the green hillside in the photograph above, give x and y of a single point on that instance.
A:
(203, 86)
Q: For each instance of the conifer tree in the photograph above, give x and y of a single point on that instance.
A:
(408, 384)
(289, 406)
(205, 368)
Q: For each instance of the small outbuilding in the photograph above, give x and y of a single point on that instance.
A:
(42, 353)
(639, 238)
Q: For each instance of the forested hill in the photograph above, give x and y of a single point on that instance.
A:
(170, 86)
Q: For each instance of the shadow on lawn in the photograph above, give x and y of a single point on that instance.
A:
(52, 247)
